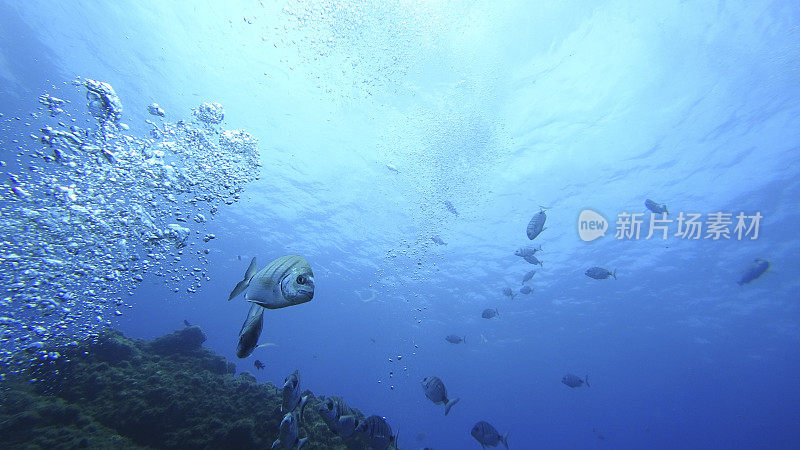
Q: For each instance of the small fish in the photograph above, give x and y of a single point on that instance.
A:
(436, 392)
(508, 292)
(527, 277)
(392, 168)
(288, 433)
(486, 434)
(488, 313)
(450, 207)
(525, 290)
(756, 269)
(655, 207)
(536, 225)
(527, 250)
(258, 365)
(438, 241)
(377, 432)
(453, 339)
(599, 435)
(598, 273)
(286, 281)
(186, 323)
(574, 381)
(291, 394)
(527, 253)
(155, 110)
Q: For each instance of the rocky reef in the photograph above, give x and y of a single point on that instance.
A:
(114, 392)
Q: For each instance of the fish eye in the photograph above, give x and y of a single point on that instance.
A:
(301, 279)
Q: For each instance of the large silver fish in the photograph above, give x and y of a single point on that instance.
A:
(536, 225)
(286, 281)
(437, 393)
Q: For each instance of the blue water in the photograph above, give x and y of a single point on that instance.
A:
(497, 107)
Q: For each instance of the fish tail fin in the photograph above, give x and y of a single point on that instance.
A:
(587, 381)
(464, 339)
(302, 405)
(276, 443)
(396, 437)
(450, 404)
(614, 274)
(497, 311)
(505, 439)
(242, 285)
(301, 443)
(665, 208)
(540, 248)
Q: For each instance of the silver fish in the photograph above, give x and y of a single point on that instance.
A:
(288, 433)
(291, 394)
(756, 269)
(437, 393)
(525, 290)
(453, 339)
(438, 241)
(528, 276)
(486, 434)
(250, 332)
(533, 260)
(536, 225)
(450, 207)
(527, 250)
(598, 273)
(339, 417)
(574, 381)
(155, 110)
(286, 281)
(488, 313)
(346, 425)
(377, 432)
(657, 208)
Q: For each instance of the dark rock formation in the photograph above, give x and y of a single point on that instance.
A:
(113, 392)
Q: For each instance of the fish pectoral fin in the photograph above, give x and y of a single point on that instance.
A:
(276, 443)
(266, 344)
(242, 285)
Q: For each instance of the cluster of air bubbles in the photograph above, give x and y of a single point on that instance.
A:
(89, 211)
(371, 45)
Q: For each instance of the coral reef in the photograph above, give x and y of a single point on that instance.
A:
(114, 392)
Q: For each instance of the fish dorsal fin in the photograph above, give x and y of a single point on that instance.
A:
(242, 285)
